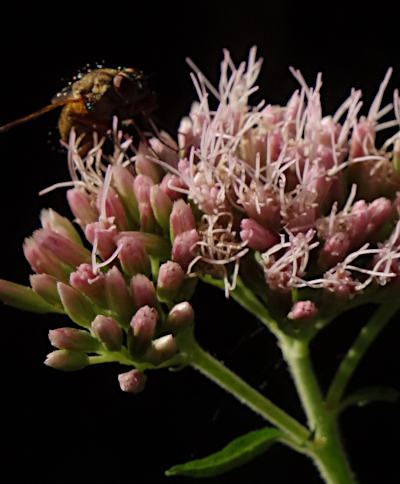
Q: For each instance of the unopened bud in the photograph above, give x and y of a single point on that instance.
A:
(257, 236)
(103, 234)
(82, 206)
(132, 381)
(133, 255)
(161, 205)
(180, 317)
(185, 249)
(181, 219)
(113, 207)
(46, 286)
(76, 305)
(67, 360)
(90, 284)
(73, 339)
(123, 183)
(142, 329)
(170, 278)
(50, 219)
(117, 294)
(173, 186)
(108, 331)
(161, 349)
(143, 292)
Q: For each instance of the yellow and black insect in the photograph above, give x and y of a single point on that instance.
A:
(90, 103)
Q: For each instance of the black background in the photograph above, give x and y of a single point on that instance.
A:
(80, 427)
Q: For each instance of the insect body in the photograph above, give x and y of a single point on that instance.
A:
(90, 103)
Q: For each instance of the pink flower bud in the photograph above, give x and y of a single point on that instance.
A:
(267, 213)
(104, 234)
(161, 349)
(132, 255)
(73, 339)
(181, 218)
(132, 381)
(258, 237)
(142, 329)
(180, 317)
(143, 292)
(154, 244)
(108, 331)
(170, 278)
(67, 251)
(78, 308)
(161, 205)
(166, 148)
(90, 284)
(184, 249)
(67, 360)
(302, 310)
(363, 139)
(122, 181)
(46, 286)
(113, 208)
(50, 219)
(335, 249)
(144, 164)
(82, 206)
(379, 212)
(141, 186)
(118, 297)
(168, 185)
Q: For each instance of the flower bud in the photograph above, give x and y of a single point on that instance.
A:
(113, 207)
(73, 339)
(165, 147)
(90, 284)
(104, 234)
(154, 244)
(67, 360)
(142, 329)
(161, 349)
(143, 292)
(67, 251)
(170, 278)
(46, 286)
(302, 310)
(145, 166)
(141, 186)
(258, 237)
(123, 183)
(132, 381)
(161, 205)
(180, 317)
(82, 206)
(184, 249)
(108, 331)
(117, 294)
(168, 185)
(132, 255)
(50, 219)
(78, 308)
(181, 219)
(42, 261)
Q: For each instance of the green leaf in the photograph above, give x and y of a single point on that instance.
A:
(22, 297)
(236, 453)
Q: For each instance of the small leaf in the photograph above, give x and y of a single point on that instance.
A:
(22, 297)
(238, 452)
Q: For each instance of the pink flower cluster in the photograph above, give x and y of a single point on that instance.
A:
(307, 200)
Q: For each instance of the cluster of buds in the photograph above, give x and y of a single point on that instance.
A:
(307, 201)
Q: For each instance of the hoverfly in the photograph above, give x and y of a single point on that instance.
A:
(90, 103)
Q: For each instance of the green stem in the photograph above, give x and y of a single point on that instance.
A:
(361, 344)
(327, 451)
(225, 378)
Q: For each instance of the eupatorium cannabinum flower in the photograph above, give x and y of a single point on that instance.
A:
(307, 199)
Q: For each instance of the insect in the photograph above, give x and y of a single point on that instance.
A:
(90, 103)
